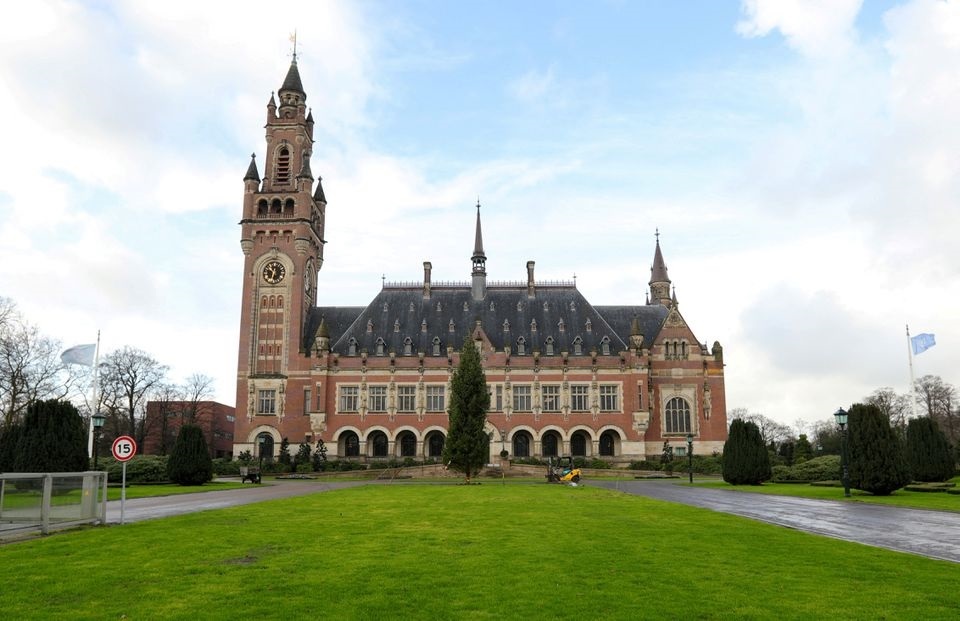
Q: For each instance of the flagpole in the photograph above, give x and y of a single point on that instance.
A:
(913, 383)
(93, 405)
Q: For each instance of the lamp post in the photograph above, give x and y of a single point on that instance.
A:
(841, 416)
(97, 419)
(690, 456)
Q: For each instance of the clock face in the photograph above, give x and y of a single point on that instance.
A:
(273, 272)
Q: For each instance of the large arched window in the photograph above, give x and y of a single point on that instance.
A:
(264, 446)
(676, 416)
(608, 443)
(408, 444)
(578, 444)
(550, 444)
(378, 440)
(521, 444)
(283, 166)
(351, 444)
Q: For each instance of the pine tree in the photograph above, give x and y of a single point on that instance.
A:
(284, 457)
(467, 442)
(320, 456)
(877, 464)
(304, 452)
(190, 462)
(745, 457)
(52, 439)
(803, 451)
(929, 454)
(9, 439)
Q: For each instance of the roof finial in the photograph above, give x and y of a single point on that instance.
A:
(478, 203)
(657, 234)
(293, 39)
(383, 281)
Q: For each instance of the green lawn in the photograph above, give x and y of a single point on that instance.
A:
(522, 551)
(901, 498)
(143, 491)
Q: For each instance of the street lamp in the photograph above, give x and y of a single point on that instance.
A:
(690, 456)
(98, 420)
(841, 416)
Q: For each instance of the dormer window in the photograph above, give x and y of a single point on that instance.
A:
(407, 346)
(577, 346)
(380, 346)
(589, 326)
(521, 346)
(352, 347)
(605, 346)
(436, 346)
(549, 344)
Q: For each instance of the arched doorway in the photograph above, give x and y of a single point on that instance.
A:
(521, 444)
(578, 444)
(264, 446)
(608, 443)
(435, 444)
(378, 443)
(408, 444)
(349, 444)
(550, 444)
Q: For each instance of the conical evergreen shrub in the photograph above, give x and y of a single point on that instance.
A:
(52, 438)
(929, 453)
(745, 458)
(877, 464)
(190, 462)
(467, 445)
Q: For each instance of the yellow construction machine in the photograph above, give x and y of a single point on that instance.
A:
(561, 470)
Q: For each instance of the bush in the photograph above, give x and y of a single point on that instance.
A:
(877, 464)
(782, 473)
(928, 452)
(140, 469)
(345, 466)
(826, 468)
(599, 464)
(745, 458)
(190, 462)
(643, 464)
(708, 464)
(52, 438)
(226, 467)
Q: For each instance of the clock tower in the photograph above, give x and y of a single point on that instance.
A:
(282, 242)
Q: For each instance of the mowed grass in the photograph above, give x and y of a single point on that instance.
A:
(14, 498)
(939, 501)
(521, 551)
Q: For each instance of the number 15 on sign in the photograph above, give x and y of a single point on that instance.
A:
(124, 448)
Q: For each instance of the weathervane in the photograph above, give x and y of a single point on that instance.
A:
(293, 39)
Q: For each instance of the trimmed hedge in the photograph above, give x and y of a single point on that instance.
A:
(140, 469)
(826, 468)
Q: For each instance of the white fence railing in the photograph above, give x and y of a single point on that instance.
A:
(41, 501)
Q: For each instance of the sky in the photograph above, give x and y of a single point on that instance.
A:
(800, 160)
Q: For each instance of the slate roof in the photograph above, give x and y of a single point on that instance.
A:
(292, 81)
(506, 314)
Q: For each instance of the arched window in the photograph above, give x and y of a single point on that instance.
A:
(262, 207)
(608, 443)
(288, 207)
(351, 444)
(380, 346)
(578, 444)
(677, 416)
(279, 301)
(550, 444)
(435, 444)
(264, 447)
(605, 346)
(521, 444)
(263, 302)
(521, 346)
(549, 345)
(378, 439)
(352, 347)
(283, 166)
(577, 346)
(436, 346)
(275, 206)
(408, 444)
(683, 350)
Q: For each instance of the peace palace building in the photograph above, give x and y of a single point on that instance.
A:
(565, 376)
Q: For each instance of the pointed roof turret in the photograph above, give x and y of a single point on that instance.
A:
(272, 102)
(292, 81)
(310, 116)
(252, 172)
(478, 239)
(658, 272)
(318, 195)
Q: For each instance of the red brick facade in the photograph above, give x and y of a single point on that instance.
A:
(566, 377)
(164, 419)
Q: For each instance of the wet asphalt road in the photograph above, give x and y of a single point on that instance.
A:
(929, 533)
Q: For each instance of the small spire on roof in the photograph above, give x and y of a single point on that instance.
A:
(318, 195)
(273, 102)
(252, 172)
(478, 237)
(322, 330)
(310, 115)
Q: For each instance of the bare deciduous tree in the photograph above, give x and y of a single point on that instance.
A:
(127, 378)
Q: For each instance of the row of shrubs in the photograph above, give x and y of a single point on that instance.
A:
(826, 468)
(578, 462)
(702, 464)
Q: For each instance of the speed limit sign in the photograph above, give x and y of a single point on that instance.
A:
(124, 448)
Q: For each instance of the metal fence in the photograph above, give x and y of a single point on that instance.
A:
(41, 501)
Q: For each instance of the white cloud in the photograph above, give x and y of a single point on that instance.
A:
(816, 28)
(533, 86)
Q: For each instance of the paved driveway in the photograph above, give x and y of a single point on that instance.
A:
(929, 533)
(137, 509)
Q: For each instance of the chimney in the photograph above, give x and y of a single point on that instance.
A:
(531, 288)
(426, 279)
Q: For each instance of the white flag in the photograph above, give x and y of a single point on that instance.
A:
(79, 354)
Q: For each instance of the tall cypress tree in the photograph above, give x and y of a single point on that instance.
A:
(190, 462)
(745, 458)
(467, 443)
(929, 453)
(52, 439)
(9, 439)
(877, 464)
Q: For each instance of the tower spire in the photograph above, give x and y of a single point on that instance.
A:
(479, 259)
(659, 281)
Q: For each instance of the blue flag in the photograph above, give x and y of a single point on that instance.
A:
(921, 343)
